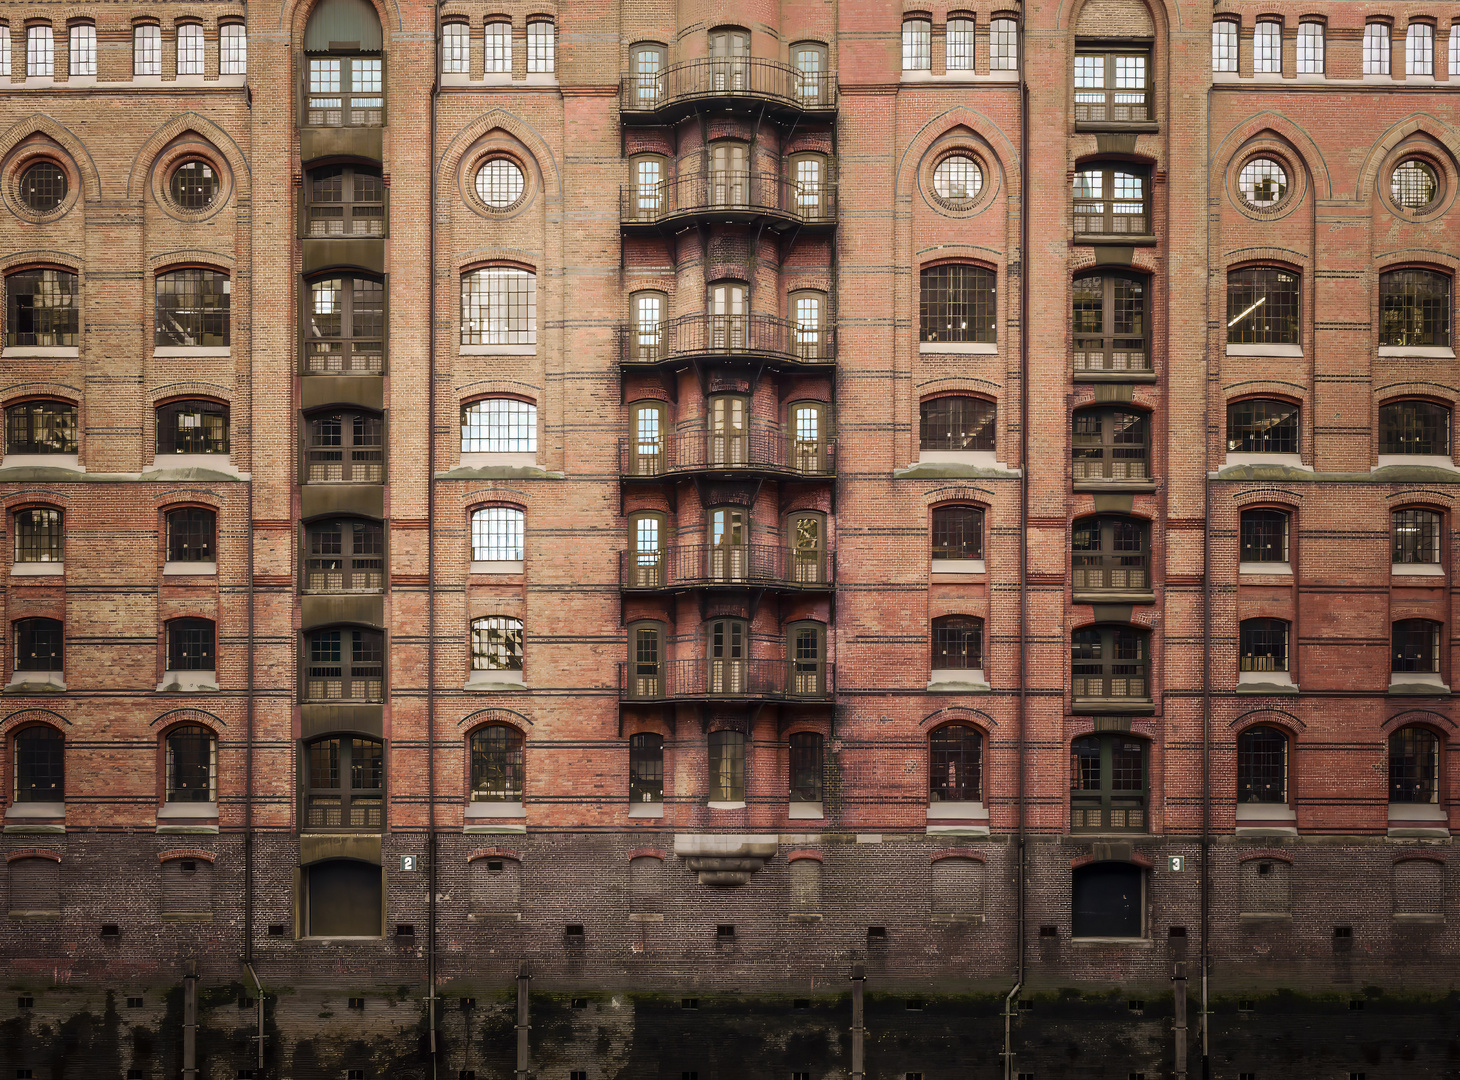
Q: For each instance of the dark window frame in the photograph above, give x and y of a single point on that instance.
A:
(40, 534)
(727, 765)
(192, 644)
(956, 531)
(39, 768)
(190, 777)
(363, 201)
(39, 645)
(1263, 765)
(352, 339)
(1098, 215)
(957, 643)
(1107, 759)
(1424, 545)
(1120, 339)
(41, 426)
(496, 636)
(192, 534)
(497, 755)
(1415, 426)
(646, 674)
(1414, 308)
(955, 764)
(206, 437)
(1264, 306)
(646, 768)
(346, 442)
(1117, 451)
(38, 183)
(194, 307)
(365, 665)
(1416, 759)
(966, 293)
(1416, 646)
(55, 323)
(805, 766)
(1264, 426)
(1102, 561)
(1256, 535)
(1265, 645)
(345, 106)
(344, 784)
(353, 556)
(1098, 649)
(957, 422)
(805, 668)
(194, 184)
(1109, 110)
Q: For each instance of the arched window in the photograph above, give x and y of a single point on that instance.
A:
(809, 183)
(1262, 766)
(646, 327)
(728, 421)
(147, 49)
(1414, 427)
(727, 648)
(192, 427)
(1110, 662)
(83, 50)
(496, 764)
(40, 427)
(960, 42)
(1376, 48)
(1107, 901)
(191, 644)
(35, 881)
(957, 423)
(646, 768)
(40, 52)
(192, 765)
(1224, 45)
(648, 424)
(192, 535)
(343, 898)
(496, 644)
(41, 308)
(344, 84)
(917, 43)
(645, 669)
(1414, 766)
(39, 645)
(1110, 554)
(192, 307)
(810, 438)
(232, 49)
(1111, 201)
(38, 536)
(1419, 49)
(1262, 426)
(729, 49)
(812, 343)
(957, 304)
(1003, 44)
(1111, 330)
(344, 447)
(1416, 646)
(1264, 645)
(1108, 784)
(345, 784)
(729, 173)
(345, 327)
(496, 534)
(456, 47)
(40, 765)
(499, 47)
(729, 316)
(806, 763)
(347, 200)
(806, 530)
(809, 60)
(190, 49)
(499, 426)
(499, 306)
(727, 767)
(955, 764)
(806, 649)
(1310, 47)
(1267, 47)
(957, 643)
(957, 533)
(1414, 309)
(645, 63)
(344, 555)
(1264, 538)
(1416, 538)
(344, 664)
(1111, 444)
(646, 554)
(1263, 305)
(541, 44)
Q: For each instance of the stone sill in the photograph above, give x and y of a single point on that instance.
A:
(1103, 706)
(165, 352)
(1134, 943)
(188, 682)
(35, 914)
(505, 916)
(1264, 917)
(186, 916)
(1265, 350)
(477, 810)
(1402, 832)
(959, 566)
(187, 830)
(40, 352)
(1142, 126)
(190, 569)
(1265, 830)
(804, 918)
(972, 682)
(914, 76)
(1286, 461)
(494, 827)
(936, 470)
(944, 918)
(966, 348)
(646, 916)
(69, 462)
(1416, 570)
(1422, 461)
(805, 811)
(1423, 352)
(220, 465)
(503, 567)
(1113, 597)
(35, 829)
(498, 350)
(957, 830)
(1113, 485)
(726, 805)
(1115, 239)
(494, 682)
(1113, 376)
(1267, 682)
(1271, 569)
(1420, 918)
(500, 472)
(981, 459)
(646, 810)
(37, 569)
(1414, 684)
(36, 682)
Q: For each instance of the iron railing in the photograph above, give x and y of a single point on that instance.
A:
(1126, 571)
(726, 335)
(728, 77)
(728, 192)
(750, 565)
(1112, 813)
(780, 680)
(765, 450)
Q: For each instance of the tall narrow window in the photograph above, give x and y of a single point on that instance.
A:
(1260, 426)
(496, 764)
(1108, 784)
(955, 764)
(192, 765)
(344, 556)
(1376, 48)
(1414, 309)
(1414, 427)
(957, 643)
(345, 200)
(541, 44)
(192, 427)
(646, 567)
(727, 767)
(83, 49)
(38, 536)
(499, 47)
(456, 48)
(809, 443)
(496, 644)
(345, 785)
(1110, 662)
(1003, 45)
(191, 645)
(806, 650)
(727, 647)
(1310, 48)
(917, 44)
(192, 307)
(646, 64)
(233, 49)
(147, 50)
(1110, 445)
(41, 308)
(811, 342)
(960, 43)
(1416, 538)
(498, 307)
(1110, 326)
(1109, 553)
(649, 190)
(807, 555)
(813, 80)
(646, 661)
(190, 49)
(345, 664)
(1419, 49)
(957, 303)
(344, 447)
(648, 435)
(1454, 48)
(40, 427)
(192, 535)
(1264, 645)
(1224, 45)
(39, 645)
(1112, 88)
(1264, 537)
(646, 768)
(345, 327)
(1267, 47)
(40, 52)
(1262, 766)
(40, 765)
(806, 766)
(5, 50)
(1414, 766)
(499, 426)
(808, 175)
(1416, 646)
(1110, 202)
(1262, 306)
(957, 533)
(957, 423)
(496, 534)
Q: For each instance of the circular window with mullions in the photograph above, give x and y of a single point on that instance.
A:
(194, 185)
(42, 187)
(1263, 183)
(1414, 185)
(500, 183)
(957, 181)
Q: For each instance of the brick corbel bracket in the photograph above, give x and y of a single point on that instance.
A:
(721, 859)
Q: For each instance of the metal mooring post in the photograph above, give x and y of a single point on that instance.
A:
(190, 1027)
(859, 977)
(1178, 986)
(523, 977)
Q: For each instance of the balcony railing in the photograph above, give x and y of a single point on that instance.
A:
(729, 77)
(728, 193)
(1109, 105)
(765, 680)
(1115, 464)
(1111, 680)
(1090, 812)
(1111, 354)
(726, 335)
(770, 450)
(749, 566)
(1125, 572)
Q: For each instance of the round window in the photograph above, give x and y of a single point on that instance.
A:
(1263, 183)
(43, 186)
(195, 186)
(499, 183)
(957, 181)
(1413, 185)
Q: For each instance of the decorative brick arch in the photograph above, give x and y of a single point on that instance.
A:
(648, 853)
(1422, 495)
(1253, 388)
(55, 257)
(26, 717)
(1416, 716)
(1267, 495)
(1274, 125)
(179, 496)
(1278, 718)
(35, 497)
(24, 391)
(493, 853)
(174, 717)
(32, 853)
(1136, 859)
(957, 494)
(1266, 854)
(209, 132)
(1003, 154)
(180, 390)
(484, 388)
(1420, 856)
(508, 717)
(64, 138)
(1441, 132)
(955, 713)
(949, 387)
(294, 16)
(805, 855)
(187, 853)
(518, 128)
(957, 853)
(188, 256)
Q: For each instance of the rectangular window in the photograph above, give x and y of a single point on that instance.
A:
(39, 52)
(1419, 49)
(499, 426)
(5, 50)
(917, 45)
(192, 308)
(960, 44)
(958, 532)
(1416, 537)
(1376, 49)
(190, 49)
(1264, 536)
(957, 304)
(496, 534)
(38, 536)
(147, 50)
(1264, 645)
(1110, 201)
(232, 49)
(499, 48)
(1112, 88)
(456, 48)
(541, 45)
(1003, 45)
(192, 427)
(1259, 426)
(1267, 48)
(1310, 48)
(40, 427)
(498, 307)
(1224, 45)
(1454, 49)
(190, 645)
(1262, 307)
(83, 49)
(41, 308)
(345, 91)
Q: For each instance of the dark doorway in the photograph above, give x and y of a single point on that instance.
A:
(343, 899)
(1107, 900)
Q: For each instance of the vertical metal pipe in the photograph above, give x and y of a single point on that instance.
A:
(1206, 615)
(1178, 986)
(859, 977)
(190, 1028)
(258, 1001)
(524, 1049)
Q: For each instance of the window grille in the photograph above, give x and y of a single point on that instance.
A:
(38, 536)
(190, 49)
(1414, 766)
(1413, 185)
(40, 765)
(957, 532)
(806, 766)
(83, 49)
(191, 535)
(40, 52)
(1416, 537)
(648, 187)
(498, 307)
(147, 50)
(1414, 427)
(1376, 48)
(346, 327)
(810, 62)
(192, 307)
(496, 644)
(42, 187)
(1264, 536)
(192, 427)
(192, 765)
(40, 427)
(1264, 645)
(499, 183)
(39, 645)
(345, 556)
(917, 45)
(499, 426)
(541, 45)
(1003, 45)
(808, 187)
(456, 48)
(648, 61)
(957, 423)
(646, 768)
(957, 643)
(1416, 646)
(5, 50)
(1258, 426)
(1414, 309)
(1262, 183)
(346, 200)
(232, 49)
(955, 764)
(1419, 49)
(499, 48)
(1112, 88)
(1110, 662)
(496, 764)
(344, 91)
(194, 185)
(960, 44)
(190, 645)
(345, 447)
(1262, 766)
(496, 534)
(1110, 445)
(41, 308)
(1110, 327)
(1267, 47)
(957, 181)
(1224, 45)
(345, 784)
(957, 303)
(1310, 48)
(345, 665)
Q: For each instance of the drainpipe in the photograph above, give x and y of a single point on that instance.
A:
(190, 1027)
(859, 980)
(258, 999)
(1013, 995)
(249, 660)
(524, 1049)
(1206, 610)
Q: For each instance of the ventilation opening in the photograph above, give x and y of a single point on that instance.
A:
(25, 1003)
(1356, 1005)
(1026, 1004)
(689, 1003)
(876, 933)
(405, 930)
(578, 1074)
(134, 1003)
(689, 1076)
(725, 930)
(800, 1076)
(276, 929)
(1049, 931)
(580, 1003)
(494, 865)
(913, 1004)
(801, 1003)
(573, 930)
(357, 1003)
(247, 1002)
(245, 1074)
(134, 1074)
(1246, 1076)
(1136, 1005)
(468, 1003)
(466, 1074)
(355, 1074)
(1176, 932)
(1246, 1006)
(111, 930)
